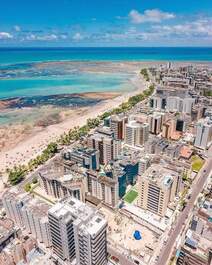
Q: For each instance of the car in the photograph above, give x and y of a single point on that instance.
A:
(204, 170)
(136, 261)
(115, 259)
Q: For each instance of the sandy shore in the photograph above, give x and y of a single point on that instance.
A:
(33, 144)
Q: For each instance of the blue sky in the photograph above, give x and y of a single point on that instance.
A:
(106, 23)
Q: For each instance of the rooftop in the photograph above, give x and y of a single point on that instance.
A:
(159, 175)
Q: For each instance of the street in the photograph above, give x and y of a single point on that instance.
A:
(176, 230)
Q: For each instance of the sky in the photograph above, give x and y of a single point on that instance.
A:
(101, 23)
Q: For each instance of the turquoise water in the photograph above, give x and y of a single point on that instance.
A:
(23, 72)
(26, 73)
(80, 83)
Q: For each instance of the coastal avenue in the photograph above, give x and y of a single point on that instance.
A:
(176, 230)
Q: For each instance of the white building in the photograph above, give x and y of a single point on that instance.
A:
(203, 133)
(78, 231)
(13, 201)
(35, 220)
(177, 104)
(28, 213)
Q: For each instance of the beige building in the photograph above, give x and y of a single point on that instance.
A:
(59, 183)
(169, 129)
(157, 188)
(136, 133)
(109, 148)
(117, 125)
(103, 188)
(155, 122)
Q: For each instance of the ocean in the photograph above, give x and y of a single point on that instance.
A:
(23, 71)
(20, 55)
(38, 74)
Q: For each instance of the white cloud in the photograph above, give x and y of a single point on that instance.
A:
(5, 35)
(77, 37)
(200, 27)
(48, 37)
(17, 28)
(153, 15)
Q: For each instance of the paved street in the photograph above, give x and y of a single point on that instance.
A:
(176, 230)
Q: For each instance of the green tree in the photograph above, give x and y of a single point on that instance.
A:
(27, 187)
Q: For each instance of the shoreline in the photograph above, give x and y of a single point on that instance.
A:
(33, 145)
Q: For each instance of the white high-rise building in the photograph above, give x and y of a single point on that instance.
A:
(13, 201)
(187, 105)
(156, 103)
(28, 213)
(136, 133)
(144, 163)
(178, 104)
(203, 133)
(78, 231)
(111, 149)
(173, 103)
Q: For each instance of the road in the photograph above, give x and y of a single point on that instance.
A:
(197, 187)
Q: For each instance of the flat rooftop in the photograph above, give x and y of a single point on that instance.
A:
(72, 208)
(159, 175)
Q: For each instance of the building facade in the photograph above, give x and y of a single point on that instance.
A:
(203, 133)
(157, 187)
(78, 231)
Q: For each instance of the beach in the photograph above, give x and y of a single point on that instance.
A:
(32, 144)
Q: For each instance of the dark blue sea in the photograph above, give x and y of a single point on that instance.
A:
(20, 55)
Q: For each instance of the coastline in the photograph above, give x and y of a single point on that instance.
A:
(34, 143)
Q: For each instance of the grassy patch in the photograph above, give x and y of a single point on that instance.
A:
(197, 163)
(130, 196)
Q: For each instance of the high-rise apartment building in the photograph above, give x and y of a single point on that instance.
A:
(203, 133)
(88, 158)
(184, 105)
(13, 201)
(28, 213)
(136, 134)
(117, 125)
(34, 214)
(169, 128)
(78, 231)
(109, 148)
(157, 187)
(155, 122)
(103, 186)
(143, 164)
(60, 184)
